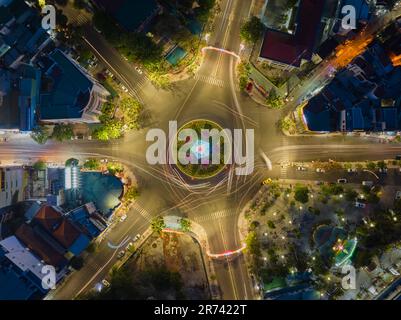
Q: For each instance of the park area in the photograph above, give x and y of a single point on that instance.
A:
(168, 266)
(309, 227)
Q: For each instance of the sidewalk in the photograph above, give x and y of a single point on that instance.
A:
(199, 234)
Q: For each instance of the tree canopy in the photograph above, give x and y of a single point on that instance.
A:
(252, 30)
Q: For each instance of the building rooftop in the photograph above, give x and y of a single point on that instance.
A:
(45, 251)
(67, 89)
(22, 257)
(291, 49)
(129, 14)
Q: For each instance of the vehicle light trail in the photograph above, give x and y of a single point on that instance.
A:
(226, 253)
(221, 50)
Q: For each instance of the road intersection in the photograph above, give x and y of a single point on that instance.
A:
(212, 94)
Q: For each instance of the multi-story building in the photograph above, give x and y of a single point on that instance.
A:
(315, 22)
(20, 272)
(21, 34)
(12, 185)
(69, 94)
(131, 15)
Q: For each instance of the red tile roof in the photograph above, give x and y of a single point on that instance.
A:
(26, 234)
(279, 46)
(290, 49)
(48, 217)
(66, 233)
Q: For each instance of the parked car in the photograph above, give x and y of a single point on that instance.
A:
(342, 180)
(360, 205)
(105, 283)
(138, 70)
(123, 218)
(383, 170)
(124, 88)
(121, 254)
(136, 238)
(301, 168)
(129, 245)
(320, 170)
(352, 170)
(394, 271)
(267, 181)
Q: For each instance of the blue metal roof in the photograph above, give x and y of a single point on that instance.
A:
(70, 90)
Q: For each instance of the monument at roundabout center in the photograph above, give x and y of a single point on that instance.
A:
(199, 157)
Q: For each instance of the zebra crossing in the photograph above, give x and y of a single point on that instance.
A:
(215, 215)
(136, 206)
(79, 19)
(210, 80)
(283, 170)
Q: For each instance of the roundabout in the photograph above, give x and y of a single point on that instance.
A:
(203, 149)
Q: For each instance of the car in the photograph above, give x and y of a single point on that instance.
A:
(136, 238)
(320, 170)
(129, 245)
(97, 30)
(342, 180)
(123, 218)
(394, 271)
(124, 88)
(138, 70)
(360, 205)
(352, 170)
(121, 254)
(105, 283)
(383, 170)
(367, 183)
(301, 168)
(267, 181)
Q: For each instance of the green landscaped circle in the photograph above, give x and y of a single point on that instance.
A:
(202, 149)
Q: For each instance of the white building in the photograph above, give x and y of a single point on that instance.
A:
(12, 185)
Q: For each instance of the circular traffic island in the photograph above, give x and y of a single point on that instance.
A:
(201, 146)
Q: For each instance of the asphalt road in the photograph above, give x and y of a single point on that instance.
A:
(211, 94)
